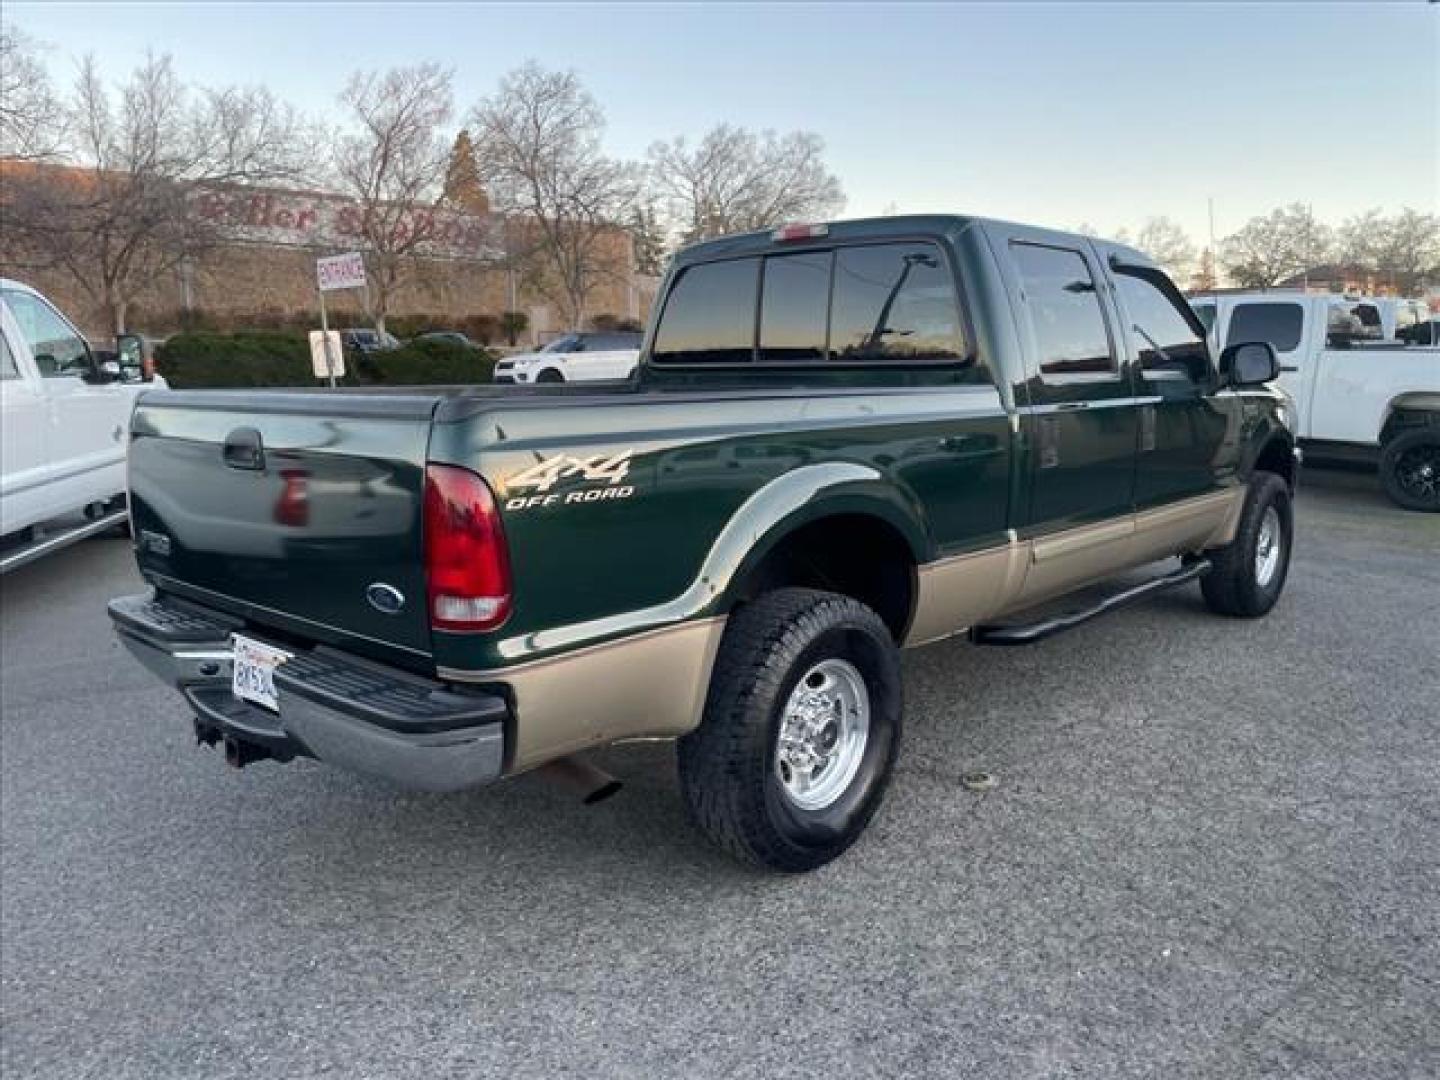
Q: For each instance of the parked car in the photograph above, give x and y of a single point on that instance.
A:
(63, 417)
(1358, 398)
(610, 354)
(842, 440)
(362, 340)
(449, 337)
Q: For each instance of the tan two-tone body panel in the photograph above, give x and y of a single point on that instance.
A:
(653, 684)
(958, 593)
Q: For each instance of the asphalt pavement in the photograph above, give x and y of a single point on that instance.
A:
(1213, 851)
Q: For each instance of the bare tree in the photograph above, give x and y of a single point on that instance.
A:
(1402, 251)
(32, 122)
(734, 180)
(392, 159)
(126, 216)
(1267, 250)
(537, 140)
(1360, 240)
(1165, 242)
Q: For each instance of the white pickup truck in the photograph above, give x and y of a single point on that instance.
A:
(1359, 397)
(64, 412)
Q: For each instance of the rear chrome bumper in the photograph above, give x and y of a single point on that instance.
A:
(341, 709)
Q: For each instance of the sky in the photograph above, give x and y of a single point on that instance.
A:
(1052, 114)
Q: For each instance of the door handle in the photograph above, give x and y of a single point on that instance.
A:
(1291, 368)
(1072, 406)
(244, 449)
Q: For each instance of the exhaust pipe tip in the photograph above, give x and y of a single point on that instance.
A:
(584, 779)
(239, 752)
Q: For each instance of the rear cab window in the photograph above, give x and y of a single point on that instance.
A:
(894, 302)
(1279, 323)
(882, 303)
(709, 316)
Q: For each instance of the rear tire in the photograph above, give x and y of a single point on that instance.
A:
(1248, 574)
(800, 731)
(1410, 469)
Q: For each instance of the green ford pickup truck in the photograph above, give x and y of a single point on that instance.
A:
(841, 440)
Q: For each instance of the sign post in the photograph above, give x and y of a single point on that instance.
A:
(337, 272)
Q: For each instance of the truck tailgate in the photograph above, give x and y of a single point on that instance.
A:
(298, 511)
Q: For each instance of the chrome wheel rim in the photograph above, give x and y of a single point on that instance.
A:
(1267, 547)
(823, 732)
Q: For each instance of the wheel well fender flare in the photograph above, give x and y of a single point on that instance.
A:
(1276, 444)
(1417, 401)
(798, 498)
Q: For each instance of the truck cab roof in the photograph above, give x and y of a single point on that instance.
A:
(860, 230)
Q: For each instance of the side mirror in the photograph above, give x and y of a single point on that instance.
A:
(1249, 363)
(135, 363)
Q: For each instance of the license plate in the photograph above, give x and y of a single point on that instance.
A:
(254, 678)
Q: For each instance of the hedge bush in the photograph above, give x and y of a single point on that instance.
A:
(275, 358)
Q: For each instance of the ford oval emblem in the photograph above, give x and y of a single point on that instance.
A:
(384, 598)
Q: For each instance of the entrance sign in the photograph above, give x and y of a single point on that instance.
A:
(345, 271)
(340, 272)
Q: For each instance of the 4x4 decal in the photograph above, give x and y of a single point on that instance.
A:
(544, 475)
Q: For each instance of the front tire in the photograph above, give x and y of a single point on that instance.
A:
(1410, 469)
(800, 731)
(1248, 574)
(549, 375)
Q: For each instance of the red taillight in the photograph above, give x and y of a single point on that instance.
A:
(467, 568)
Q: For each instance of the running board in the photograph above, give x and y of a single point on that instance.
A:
(49, 542)
(1030, 633)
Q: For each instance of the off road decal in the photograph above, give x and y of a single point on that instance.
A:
(544, 475)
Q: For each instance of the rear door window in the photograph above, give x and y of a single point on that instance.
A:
(1063, 309)
(1278, 323)
(794, 306)
(709, 316)
(894, 302)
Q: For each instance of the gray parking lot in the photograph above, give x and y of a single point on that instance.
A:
(1212, 852)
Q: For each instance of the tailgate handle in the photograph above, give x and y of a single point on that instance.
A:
(244, 450)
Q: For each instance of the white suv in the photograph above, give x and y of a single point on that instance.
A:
(599, 354)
